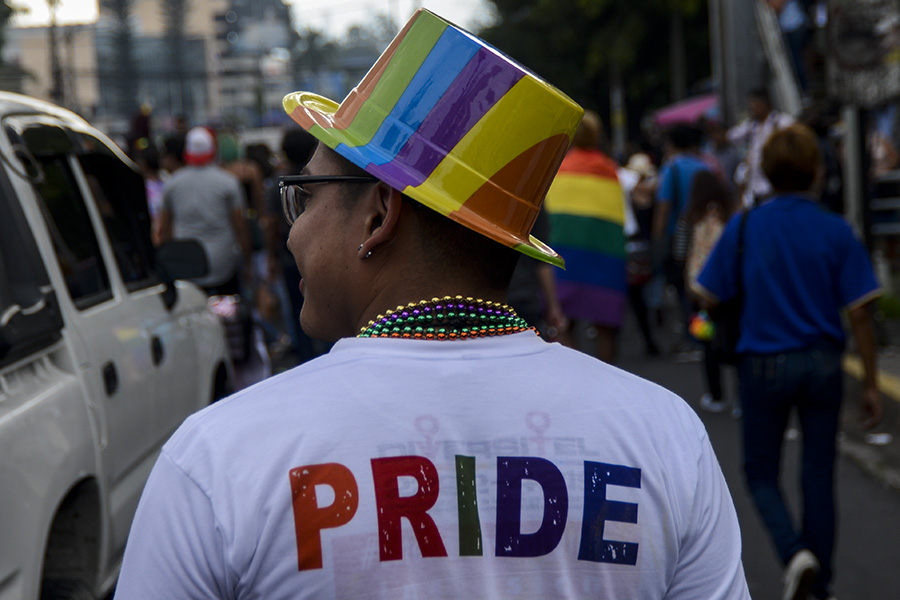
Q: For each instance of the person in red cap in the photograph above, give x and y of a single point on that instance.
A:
(206, 203)
(441, 449)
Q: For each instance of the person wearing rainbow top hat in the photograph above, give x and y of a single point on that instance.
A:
(441, 449)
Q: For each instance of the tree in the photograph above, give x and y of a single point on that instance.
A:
(6, 13)
(11, 75)
(578, 44)
(312, 52)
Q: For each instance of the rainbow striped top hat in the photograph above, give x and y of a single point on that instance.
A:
(454, 124)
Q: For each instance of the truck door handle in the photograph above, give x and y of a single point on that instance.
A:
(157, 349)
(110, 378)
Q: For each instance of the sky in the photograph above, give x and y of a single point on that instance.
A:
(332, 16)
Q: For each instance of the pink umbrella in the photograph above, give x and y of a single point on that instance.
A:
(687, 111)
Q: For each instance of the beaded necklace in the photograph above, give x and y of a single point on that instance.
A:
(447, 318)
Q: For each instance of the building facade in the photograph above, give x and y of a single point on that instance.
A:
(211, 61)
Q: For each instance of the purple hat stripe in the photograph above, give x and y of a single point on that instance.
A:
(449, 56)
(398, 182)
(478, 88)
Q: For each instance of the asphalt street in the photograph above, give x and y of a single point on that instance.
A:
(868, 546)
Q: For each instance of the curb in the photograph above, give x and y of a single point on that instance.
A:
(871, 463)
(889, 385)
(867, 458)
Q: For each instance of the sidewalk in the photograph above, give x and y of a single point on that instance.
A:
(877, 451)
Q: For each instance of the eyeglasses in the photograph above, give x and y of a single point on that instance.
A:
(294, 196)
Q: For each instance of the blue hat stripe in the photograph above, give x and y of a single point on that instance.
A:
(450, 55)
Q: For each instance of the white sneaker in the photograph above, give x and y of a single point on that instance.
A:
(709, 405)
(799, 576)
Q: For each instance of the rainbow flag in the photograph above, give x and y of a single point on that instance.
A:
(587, 216)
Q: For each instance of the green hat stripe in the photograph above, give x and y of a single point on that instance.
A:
(409, 56)
(527, 250)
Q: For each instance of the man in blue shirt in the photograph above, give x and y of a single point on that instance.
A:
(801, 266)
(670, 242)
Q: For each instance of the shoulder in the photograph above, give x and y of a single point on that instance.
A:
(606, 166)
(665, 171)
(696, 163)
(672, 416)
(250, 409)
(223, 175)
(783, 120)
(179, 176)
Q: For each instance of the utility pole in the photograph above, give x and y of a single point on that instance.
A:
(56, 82)
(617, 116)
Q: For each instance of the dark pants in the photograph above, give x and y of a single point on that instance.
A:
(642, 314)
(712, 369)
(771, 387)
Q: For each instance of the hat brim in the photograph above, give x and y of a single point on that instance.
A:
(320, 117)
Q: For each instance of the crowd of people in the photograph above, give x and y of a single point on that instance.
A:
(202, 184)
(419, 241)
(651, 213)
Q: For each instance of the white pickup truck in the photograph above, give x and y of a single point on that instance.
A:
(103, 351)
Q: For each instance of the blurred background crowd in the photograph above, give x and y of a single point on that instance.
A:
(681, 96)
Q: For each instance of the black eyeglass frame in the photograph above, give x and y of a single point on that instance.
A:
(285, 182)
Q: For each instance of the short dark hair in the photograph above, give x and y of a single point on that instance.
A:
(446, 243)
(708, 189)
(760, 93)
(685, 136)
(174, 147)
(298, 146)
(791, 158)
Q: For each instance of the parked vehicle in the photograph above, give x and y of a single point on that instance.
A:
(103, 351)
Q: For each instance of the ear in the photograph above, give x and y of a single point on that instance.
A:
(383, 218)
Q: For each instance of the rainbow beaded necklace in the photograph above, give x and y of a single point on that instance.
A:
(447, 318)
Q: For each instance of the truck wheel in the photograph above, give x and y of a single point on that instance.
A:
(65, 589)
(70, 559)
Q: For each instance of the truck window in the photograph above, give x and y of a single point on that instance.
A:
(67, 218)
(29, 315)
(120, 196)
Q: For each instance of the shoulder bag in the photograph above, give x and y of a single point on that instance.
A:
(727, 315)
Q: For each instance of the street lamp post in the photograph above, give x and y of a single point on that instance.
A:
(56, 83)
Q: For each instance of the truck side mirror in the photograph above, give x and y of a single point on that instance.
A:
(180, 259)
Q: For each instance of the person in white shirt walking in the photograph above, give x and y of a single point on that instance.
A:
(750, 135)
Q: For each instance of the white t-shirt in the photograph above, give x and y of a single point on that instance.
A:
(754, 135)
(501, 467)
